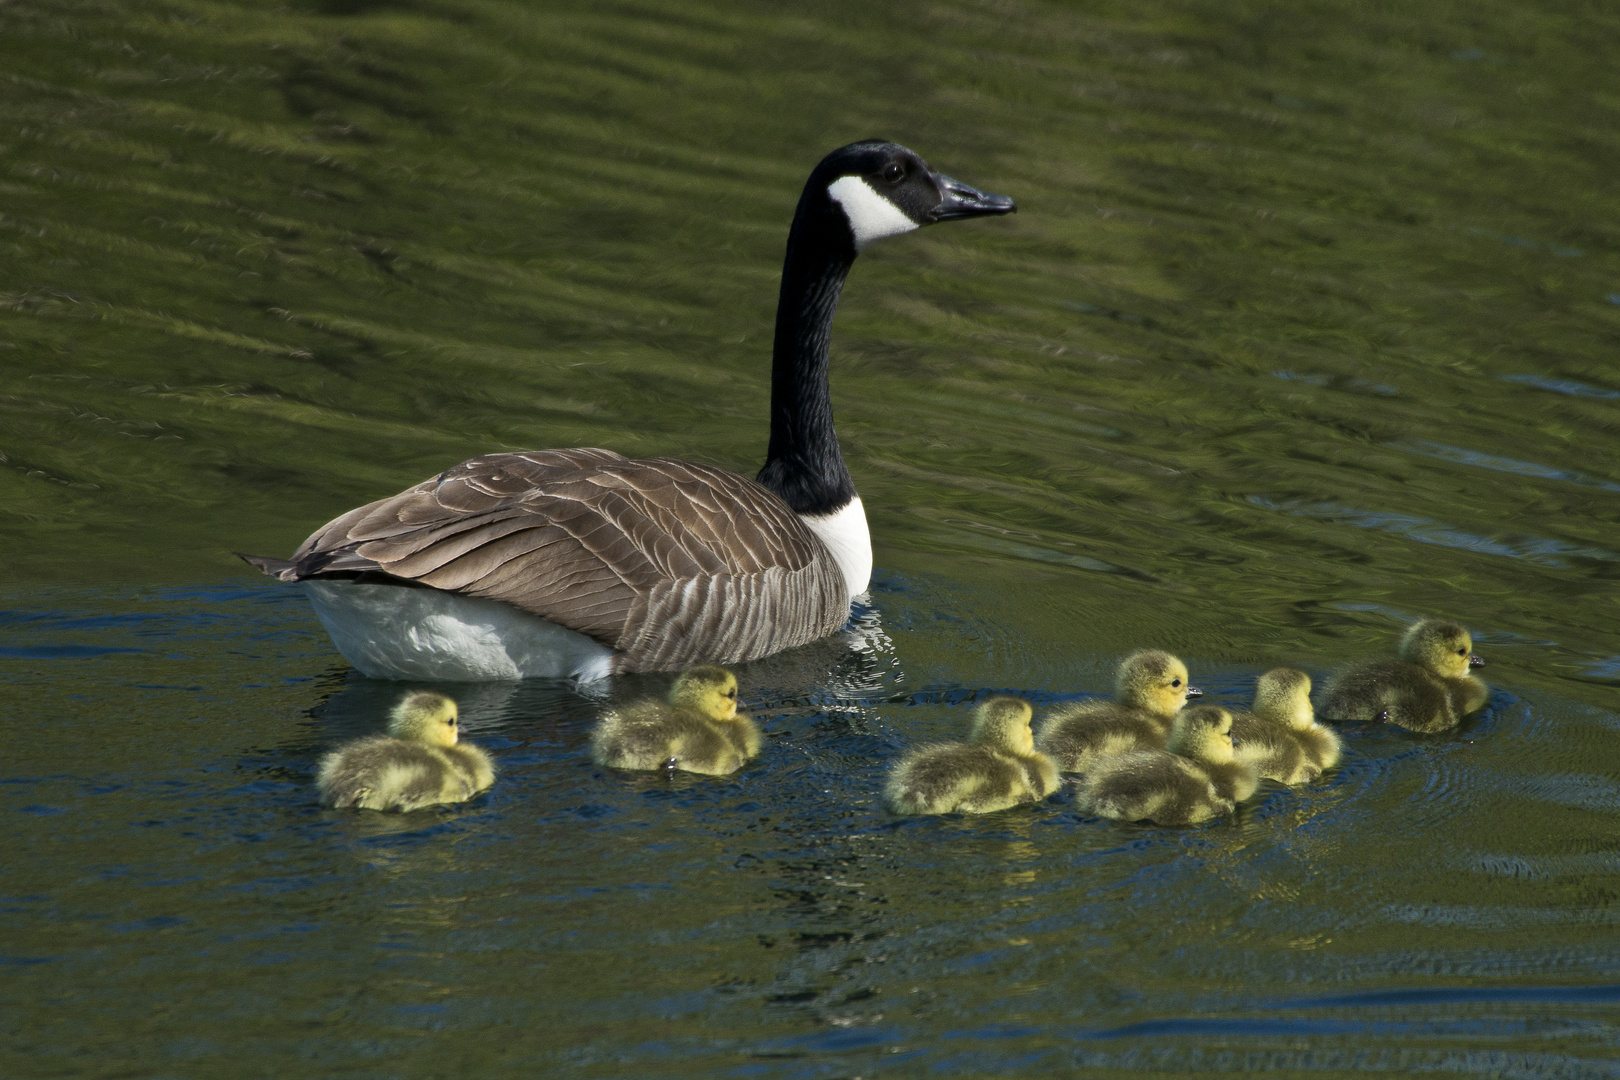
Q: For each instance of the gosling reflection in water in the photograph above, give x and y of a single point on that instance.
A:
(420, 762)
(698, 729)
(1196, 778)
(1427, 689)
(998, 768)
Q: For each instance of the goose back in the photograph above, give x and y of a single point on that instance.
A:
(667, 562)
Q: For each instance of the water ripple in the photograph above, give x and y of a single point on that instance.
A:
(1536, 549)
(1563, 386)
(1497, 463)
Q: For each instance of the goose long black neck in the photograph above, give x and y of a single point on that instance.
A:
(803, 463)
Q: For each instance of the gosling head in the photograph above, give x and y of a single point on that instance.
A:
(1445, 648)
(423, 716)
(1003, 722)
(710, 690)
(870, 190)
(1203, 733)
(1284, 695)
(1153, 681)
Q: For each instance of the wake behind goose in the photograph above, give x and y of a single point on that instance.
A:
(583, 563)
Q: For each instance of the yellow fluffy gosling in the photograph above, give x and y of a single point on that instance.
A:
(1281, 739)
(1195, 779)
(1150, 688)
(1428, 689)
(997, 768)
(698, 729)
(418, 763)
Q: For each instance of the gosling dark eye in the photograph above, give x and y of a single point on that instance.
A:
(731, 694)
(894, 172)
(1175, 682)
(1462, 652)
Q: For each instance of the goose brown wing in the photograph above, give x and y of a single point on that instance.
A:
(667, 561)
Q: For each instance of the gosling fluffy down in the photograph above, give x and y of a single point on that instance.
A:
(997, 768)
(1281, 739)
(420, 762)
(697, 729)
(1195, 779)
(1427, 689)
(1150, 688)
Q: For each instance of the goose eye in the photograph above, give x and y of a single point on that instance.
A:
(1462, 652)
(732, 693)
(893, 172)
(1175, 682)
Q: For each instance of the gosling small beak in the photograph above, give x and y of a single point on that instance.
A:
(1193, 691)
(1236, 742)
(958, 200)
(1475, 660)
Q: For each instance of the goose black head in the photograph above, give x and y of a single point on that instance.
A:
(878, 189)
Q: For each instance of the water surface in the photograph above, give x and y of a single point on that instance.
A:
(1305, 327)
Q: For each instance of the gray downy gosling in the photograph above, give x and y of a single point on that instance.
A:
(1280, 738)
(997, 768)
(698, 729)
(1427, 689)
(420, 762)
(1150, 688)
(1195, 779)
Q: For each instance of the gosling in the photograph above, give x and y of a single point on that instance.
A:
(1428, 689)
(1281, 739)
(698, 729)
(1150, 688)
(996, 769)
(1196, 779)
(418, 763)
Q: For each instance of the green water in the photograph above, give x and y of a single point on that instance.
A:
(1306, 326)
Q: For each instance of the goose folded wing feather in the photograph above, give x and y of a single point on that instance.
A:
(588, 552)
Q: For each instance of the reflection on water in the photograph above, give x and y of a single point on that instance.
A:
(1305, 328)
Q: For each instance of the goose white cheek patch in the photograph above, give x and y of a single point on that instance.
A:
(871, 216)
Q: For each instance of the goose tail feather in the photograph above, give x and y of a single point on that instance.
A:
(281, 569)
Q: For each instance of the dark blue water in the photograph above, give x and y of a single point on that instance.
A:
(178, 905)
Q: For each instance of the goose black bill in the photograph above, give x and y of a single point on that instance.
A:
(958, 200)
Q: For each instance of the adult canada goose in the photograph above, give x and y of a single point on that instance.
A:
(584, 563)
(1428, 689)
(698, 729)
(420, 762)
(997, 769)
